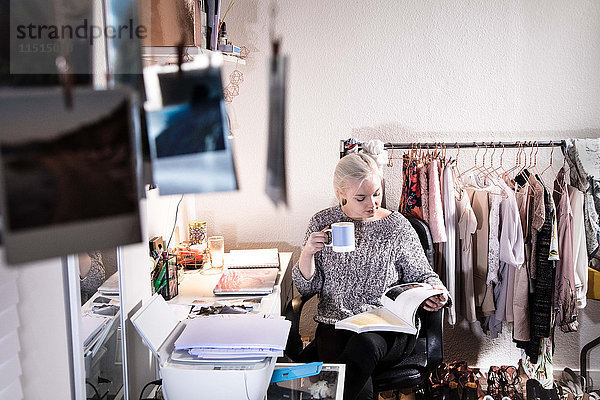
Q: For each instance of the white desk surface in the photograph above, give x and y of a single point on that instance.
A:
(196, 288)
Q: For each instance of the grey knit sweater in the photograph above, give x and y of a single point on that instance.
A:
(388, 252)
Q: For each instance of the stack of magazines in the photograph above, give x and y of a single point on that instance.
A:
(233, 337)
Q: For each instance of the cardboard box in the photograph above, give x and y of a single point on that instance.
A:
(170, 21)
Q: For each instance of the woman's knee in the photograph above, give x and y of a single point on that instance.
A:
(367, 345)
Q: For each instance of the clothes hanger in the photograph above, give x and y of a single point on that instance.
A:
(525, 165)
(474, 162)
(456, 158)
(390, 162)
(552, 168)
(535, 168)
(517, 162)
(459, 185)
(493, 170)
(501, 171)
(492, 174)
(483, 170)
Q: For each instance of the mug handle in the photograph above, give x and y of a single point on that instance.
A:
(329, 237)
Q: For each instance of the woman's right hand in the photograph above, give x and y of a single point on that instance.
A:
(316, 242)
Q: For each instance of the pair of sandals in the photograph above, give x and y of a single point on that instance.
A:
(573, 386)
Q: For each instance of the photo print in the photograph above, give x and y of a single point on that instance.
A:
(69, 181)
(188, 128)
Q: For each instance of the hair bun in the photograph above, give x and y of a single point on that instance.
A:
(376, 150)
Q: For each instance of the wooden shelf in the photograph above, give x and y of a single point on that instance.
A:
(168, 55)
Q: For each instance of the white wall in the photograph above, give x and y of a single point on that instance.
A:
(403, 71)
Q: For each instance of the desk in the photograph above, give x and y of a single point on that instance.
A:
(218, 379)
(197, 288)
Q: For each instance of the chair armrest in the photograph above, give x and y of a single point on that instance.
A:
(292, 312)
(433, 330)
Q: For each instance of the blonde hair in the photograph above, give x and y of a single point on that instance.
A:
(352, 168)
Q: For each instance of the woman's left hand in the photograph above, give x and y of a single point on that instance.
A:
(436, 302)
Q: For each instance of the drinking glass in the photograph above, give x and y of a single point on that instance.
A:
(216, 248)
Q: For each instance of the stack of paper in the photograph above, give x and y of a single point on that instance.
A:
(234, 337)
(91, 325)
(110, 286)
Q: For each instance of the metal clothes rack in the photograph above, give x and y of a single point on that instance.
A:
(455, 145)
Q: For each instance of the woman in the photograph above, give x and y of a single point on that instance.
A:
(387, 252)
(91, 273)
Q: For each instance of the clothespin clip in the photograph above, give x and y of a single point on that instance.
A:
(180, 50)
(66, 80)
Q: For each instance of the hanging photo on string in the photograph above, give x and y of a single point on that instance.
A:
(188, 128)
(68, 176)
(276, 186)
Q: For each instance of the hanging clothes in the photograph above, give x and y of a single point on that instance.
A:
(424, 185)
(511, 256)
(480, 206)
(521, 323)
(538, 216)
(541, 298)
(488, 307)
(579, 179)
(565, 298)
(410, 200)
(580, 256)
(467, 225)
(450, 244)
(542, 369)
(495, 199)
(554, 254)
(436, 209)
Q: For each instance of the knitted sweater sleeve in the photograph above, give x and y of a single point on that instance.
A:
(411, 262)
(308, 287)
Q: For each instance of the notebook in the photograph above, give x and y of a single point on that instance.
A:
(247, 281)
(254, 258)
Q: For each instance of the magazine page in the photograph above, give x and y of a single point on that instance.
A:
(404, 300)
(379, 319)
(247, 281)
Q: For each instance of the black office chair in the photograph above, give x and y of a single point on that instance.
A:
(411, 372)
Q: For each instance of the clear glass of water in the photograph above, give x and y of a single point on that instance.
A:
(216, 248)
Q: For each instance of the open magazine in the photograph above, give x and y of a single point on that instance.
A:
(398, 314)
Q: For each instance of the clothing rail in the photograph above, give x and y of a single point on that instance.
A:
(456, 145)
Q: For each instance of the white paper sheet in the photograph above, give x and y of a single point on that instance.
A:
(243, 331)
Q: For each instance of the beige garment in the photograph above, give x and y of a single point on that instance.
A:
(467, 225)
(538, 216)
(480, 205)
(510, 290)
(520, 301)
(488, 307)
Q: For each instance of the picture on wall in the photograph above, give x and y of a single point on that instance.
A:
(69, 181)
(188, 129)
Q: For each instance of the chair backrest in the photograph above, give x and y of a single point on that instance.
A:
(424, 235)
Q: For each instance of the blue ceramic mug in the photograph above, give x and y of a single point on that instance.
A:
(342, 237)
